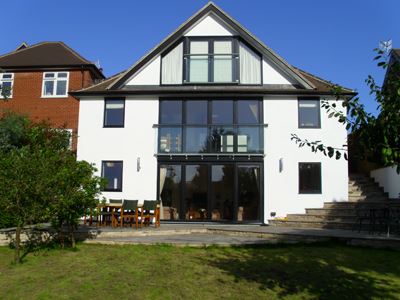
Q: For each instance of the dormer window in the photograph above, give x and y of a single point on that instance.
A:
(211, 60)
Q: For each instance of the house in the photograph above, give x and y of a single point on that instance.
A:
(37, 80)
(203, 124)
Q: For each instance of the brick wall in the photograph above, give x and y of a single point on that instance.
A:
(59, 112)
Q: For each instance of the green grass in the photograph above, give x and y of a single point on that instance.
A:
(319, 271)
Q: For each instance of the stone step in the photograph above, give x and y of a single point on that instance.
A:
(363, 184)
(315, 224)
(320, 218)
(354, 205)
(362, 198)
(365, 190)
(369, 193)
(331, 212)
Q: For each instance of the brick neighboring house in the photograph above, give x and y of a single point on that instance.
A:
(38, 79)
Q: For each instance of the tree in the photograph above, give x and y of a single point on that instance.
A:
(378, 137)
(40, 179)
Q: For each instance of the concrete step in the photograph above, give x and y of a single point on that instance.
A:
(320, 218)
(368, 188)
(354, 205)
(331, 212)
(368, 198)
(313, 224)
(369, 193)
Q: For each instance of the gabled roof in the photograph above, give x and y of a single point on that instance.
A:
(244, 33)
(45, 55)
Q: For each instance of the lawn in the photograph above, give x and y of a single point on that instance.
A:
(319, 271)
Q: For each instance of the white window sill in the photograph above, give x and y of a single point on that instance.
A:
(64, 96)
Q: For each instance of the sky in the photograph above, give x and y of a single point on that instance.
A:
(332, 39)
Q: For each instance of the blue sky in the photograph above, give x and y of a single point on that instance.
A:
(331, 39)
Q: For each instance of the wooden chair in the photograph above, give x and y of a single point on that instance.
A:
(149, 210)
(115, 212)
(129, 211)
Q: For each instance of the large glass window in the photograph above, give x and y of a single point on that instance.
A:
(211, 60)
(55, 84)
(309, 178)
(112, 172)
(309, 113)
(6, 84)
(114, 112)
(222, 192)
(210, 126)
(249, 193)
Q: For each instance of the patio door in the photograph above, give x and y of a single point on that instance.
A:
(249, 192)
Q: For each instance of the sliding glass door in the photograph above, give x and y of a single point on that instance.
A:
(210, 191)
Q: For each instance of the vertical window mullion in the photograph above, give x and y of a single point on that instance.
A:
(211, 60)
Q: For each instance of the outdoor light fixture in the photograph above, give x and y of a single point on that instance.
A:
(280, 165)
(138, 164)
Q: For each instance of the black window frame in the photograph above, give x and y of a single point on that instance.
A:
(103, 162)
(110, 99)
(316, 191)
(318, 100)
(211, 40)
(210, 125)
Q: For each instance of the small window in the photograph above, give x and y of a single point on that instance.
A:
(55, 84)
(309, 178)
(114, 112)
(309, 113)
(112, 172)
(6, 84)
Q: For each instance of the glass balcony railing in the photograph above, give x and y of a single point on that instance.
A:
(211, 68)
(214, 139)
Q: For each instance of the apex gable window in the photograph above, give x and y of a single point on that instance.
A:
(6, 84)
(211, 60)
(55, 84)
(309, 113)
(112, 171)
(114, 112)
(310, 178)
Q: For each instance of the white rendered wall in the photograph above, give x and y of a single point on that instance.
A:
(389, 180)
(148, 75)
(281, 189)
(209, 26)
(272, 76)
(136, 139)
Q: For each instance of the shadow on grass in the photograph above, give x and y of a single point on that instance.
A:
(39, 241)
(339, 273)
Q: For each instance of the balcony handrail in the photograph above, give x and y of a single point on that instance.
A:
(210, 125)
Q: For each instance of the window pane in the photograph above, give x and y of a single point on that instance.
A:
(7, 76)
(49, 75)
(248, 112)
(5, 88)
(309, 113)
(222, 139)
(170, 190)
(222, 191)
(222, 112)
(309, 178)
(112, 171)
(171, 112)
(61, 88)
(62, 75)
(196, 183)
(222, 68)
(170, 139)
(114, 113)
(198, 69)
(249, 193)
(248, 139)
(196, 112)
(48, 88)
(199, 47)
(196, 139)
(222, 47)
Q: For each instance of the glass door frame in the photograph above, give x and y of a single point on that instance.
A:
(209, 163)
